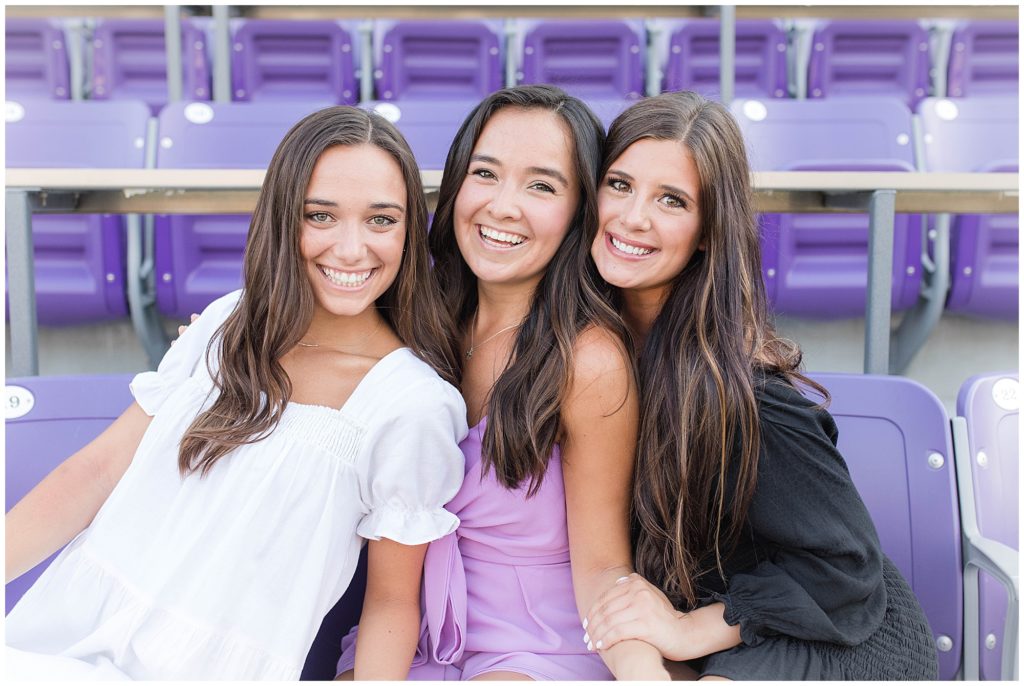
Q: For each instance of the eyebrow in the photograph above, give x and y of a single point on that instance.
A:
(543, 171)
(373, 205)
(664, 187)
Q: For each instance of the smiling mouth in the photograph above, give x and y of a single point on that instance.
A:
(499, 239)
(628, 249)
(351, 280)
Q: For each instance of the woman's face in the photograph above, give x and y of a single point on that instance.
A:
(649, 221)
(519, 196)
(353, 228)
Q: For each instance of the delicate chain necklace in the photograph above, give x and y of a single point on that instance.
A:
(472, 329)
(304, 344)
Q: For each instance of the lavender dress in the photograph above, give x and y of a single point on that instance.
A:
(497, 593)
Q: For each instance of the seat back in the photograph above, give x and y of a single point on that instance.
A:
(48, 419)
(36, 59)
(293, 60)
(869, 57)
(129, 61)
(983, 59)
(895, 436)
(816, 264)
(977, 135)
(692, 58)
(990, 405)
(592, 59)
(79, 259)
(198, 258)
(437, 60)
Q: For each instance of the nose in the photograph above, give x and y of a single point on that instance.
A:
(349, 244)
(634, 215)
(504, 203)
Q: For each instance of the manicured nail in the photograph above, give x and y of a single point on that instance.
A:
(584, 622)
(600, 644)
(622, 580)
(586, 638)
(590, 646)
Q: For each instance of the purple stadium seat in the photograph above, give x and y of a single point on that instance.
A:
(322, 659)
(437, 60)
(428, 125)
(79, 259)
(977, 134)
(895, 436)
(692, 61)
(130, 62)
(983, 59)
(36, 60)
(880, 57)
(199, 258)
(599, 61)
(48, 419)
(293, 60)
(816, 264)
(990, 405)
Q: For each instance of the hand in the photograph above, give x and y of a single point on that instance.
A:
(183, 328)
(636, 609)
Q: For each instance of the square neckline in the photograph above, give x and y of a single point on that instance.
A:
(355, 391)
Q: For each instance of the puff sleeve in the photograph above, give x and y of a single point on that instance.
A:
(821, 576)
(183, 358)
(415, 465)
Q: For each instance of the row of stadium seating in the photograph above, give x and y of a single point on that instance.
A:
(465, 60)
(814, 265)
(943, 495)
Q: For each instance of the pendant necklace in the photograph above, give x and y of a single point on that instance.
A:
(473, 346)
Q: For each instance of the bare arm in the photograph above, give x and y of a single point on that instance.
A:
(65, 502)
(390, 623)
(600, 417)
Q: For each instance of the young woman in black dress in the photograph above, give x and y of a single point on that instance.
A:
(756, 556)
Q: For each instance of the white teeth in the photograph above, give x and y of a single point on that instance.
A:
(346, 278)
(501, 236)
(632, 250)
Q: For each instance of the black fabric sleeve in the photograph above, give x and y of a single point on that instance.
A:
(820, 576)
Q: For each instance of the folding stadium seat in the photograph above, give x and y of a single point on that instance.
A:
(990, 406)
(130, 61)
(79, 259)
(429, 75)
(293, 60)
(198, 258)
(691, 57)
(977, 135)
(895, 437)
(983, 59)
(816, 264)
(879, 57)
(599, 61)
(36, 60)
(48, 419)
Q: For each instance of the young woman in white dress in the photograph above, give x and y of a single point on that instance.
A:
(215, 523)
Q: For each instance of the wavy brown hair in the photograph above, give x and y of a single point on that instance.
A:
(524, 407)
(276, 306)
(710, 347)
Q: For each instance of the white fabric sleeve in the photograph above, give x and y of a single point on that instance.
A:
(187, 354)
(416, 465)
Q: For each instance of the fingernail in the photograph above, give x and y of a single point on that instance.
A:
(600, 644)
(590, 646)
(586, 638)
(622, 580)
(584, 622)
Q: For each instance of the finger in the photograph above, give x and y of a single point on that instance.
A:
(621, 631)
(182, 329)
(605, 622)
(192, 317)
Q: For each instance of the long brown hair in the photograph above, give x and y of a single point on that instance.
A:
(710, 346)
(276, 306)
(523, 410)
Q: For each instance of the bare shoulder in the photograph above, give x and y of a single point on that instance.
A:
(600, 353)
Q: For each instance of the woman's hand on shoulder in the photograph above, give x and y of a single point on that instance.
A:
(184, 327)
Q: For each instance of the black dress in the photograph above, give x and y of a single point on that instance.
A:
(813, 594)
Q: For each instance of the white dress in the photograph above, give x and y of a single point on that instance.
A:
(229, 576)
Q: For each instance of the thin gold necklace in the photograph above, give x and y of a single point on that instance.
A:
(304, 344)
(472, 330)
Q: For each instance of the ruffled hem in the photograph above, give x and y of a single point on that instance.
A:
(736, 614)
(115, 619)
(150, 390)
(408, 527)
